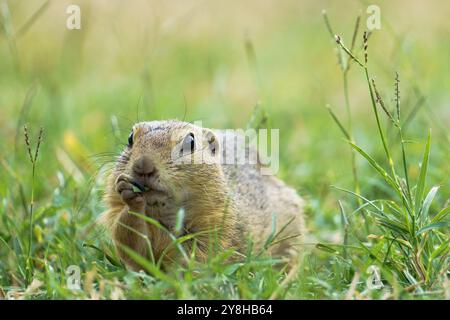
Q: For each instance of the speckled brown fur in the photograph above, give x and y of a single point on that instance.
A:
(235, 200)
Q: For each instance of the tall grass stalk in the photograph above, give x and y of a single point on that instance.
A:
(345, 64)
(413, 245)
(33, 160)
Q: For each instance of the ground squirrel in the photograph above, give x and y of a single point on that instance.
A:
(236, 201)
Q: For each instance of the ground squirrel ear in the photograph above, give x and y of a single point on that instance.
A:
(213, 142)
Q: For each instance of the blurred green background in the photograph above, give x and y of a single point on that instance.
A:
(146, 60)
(215, 61)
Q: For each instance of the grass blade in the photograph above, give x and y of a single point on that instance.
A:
(335, 118)
(150, 267)
(432, 226)
(377, 167)
(441, 215)
(427, 202)
(423, 175)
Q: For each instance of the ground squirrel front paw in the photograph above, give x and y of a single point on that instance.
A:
(126, 190)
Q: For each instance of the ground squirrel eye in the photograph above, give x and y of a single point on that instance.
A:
(130, 139)
(188, 144)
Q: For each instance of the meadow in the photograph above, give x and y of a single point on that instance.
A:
(364, 138)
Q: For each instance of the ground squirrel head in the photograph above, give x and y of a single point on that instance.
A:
(171, 163)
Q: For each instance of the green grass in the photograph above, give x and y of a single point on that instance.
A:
(374, 173)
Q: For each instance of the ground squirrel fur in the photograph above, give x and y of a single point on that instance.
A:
(235, 200)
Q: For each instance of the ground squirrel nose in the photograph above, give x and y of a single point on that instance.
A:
(144, 166)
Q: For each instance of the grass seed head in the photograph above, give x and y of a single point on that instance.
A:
(397, 94)
(27, 142)
(365, 43)
(380, 101)
(38, 146)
